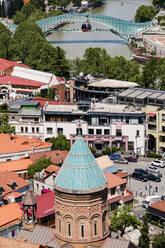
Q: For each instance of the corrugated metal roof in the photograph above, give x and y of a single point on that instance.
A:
(80, 173)
(126, 92)
(155, 95)
(144, 95)
(135, 93)
(41, 234)
(162, 97)
(112, 83)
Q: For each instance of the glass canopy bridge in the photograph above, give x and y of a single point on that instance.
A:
(122, 28)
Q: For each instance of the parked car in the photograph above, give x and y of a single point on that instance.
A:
(142, 171)
(153, 169)
(131, 159)
(114, 156)
(154, 178)
(121, 161)
(140, 176)
(159, 163)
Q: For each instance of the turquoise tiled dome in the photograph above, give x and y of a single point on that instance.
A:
(80, 173)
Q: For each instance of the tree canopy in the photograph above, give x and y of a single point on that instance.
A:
(60, 143)
(144, 239)
(159, 3)
(144, 13)
(39, 165)
(4, 124)
(158, 240)
(122, 218)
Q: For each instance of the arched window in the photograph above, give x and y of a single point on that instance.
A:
(69, 229)
(95, 228)
(59, 226)
(82, 230)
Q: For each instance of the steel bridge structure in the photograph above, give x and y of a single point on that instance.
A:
(122, 28)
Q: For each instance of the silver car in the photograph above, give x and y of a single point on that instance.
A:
(153, 169)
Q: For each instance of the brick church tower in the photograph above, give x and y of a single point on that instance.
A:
(81, 210)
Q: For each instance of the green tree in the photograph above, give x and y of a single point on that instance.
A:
(149, 74)
(158, 240)
(159, 3)
(144, 239)
(38, 4)
(60, 143)
(122, 218)
(145, 13)
(4, 125)
(39, 165)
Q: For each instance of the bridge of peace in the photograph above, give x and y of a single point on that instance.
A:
(122, 28)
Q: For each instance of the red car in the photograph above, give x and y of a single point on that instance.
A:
(131, 159)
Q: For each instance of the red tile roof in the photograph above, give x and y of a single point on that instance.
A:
(7, 178)
(5, 64)
(9, 214)
(20, 144)
(121, 174)
(15, 165)
(56, 156)
(113, 180)
(15, 194)
(19, 81)
(52, 168)
(160, 206)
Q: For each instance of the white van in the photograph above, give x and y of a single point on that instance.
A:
(151, 200)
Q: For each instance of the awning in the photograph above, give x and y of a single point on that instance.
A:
(151, 114)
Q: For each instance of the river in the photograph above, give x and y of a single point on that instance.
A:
(123, 9)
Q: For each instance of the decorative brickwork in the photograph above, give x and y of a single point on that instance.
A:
(81, 219)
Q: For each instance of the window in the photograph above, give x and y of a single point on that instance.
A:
(49, 130)
(59, 226)
(37, 129)
(137, 133)
(79, 131)
(22, 130)
(26, 129)
(113, 190)
(13, 118)
(98, 131)
(82, 230)
(163, 128)
(37, 186)
(69, 229)
(106, 132)
(130, 145)
(163, 117)
(33, 130)
(118, 132)
(60, 131)
(13, 233)
(151, 127)
(90, 131)
(36, 119)
(95, 228)
(90, 143)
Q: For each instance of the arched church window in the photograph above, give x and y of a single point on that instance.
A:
(95, 228)
(59, 226)
(82, 230)
(69, 229)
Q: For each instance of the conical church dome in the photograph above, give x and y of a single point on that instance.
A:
(80, 173)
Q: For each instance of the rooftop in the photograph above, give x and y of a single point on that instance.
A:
(80, 172)
(9, 144)
(10, 213)
(39, 76)
(15, 165)
(104, 162)
(5, 64)
(29, 199)
(160, 206)
(56, 156)
(113, 180)
(13, 80)
(7, 179)
(112, 83)
(52, 168)
(16, 243)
